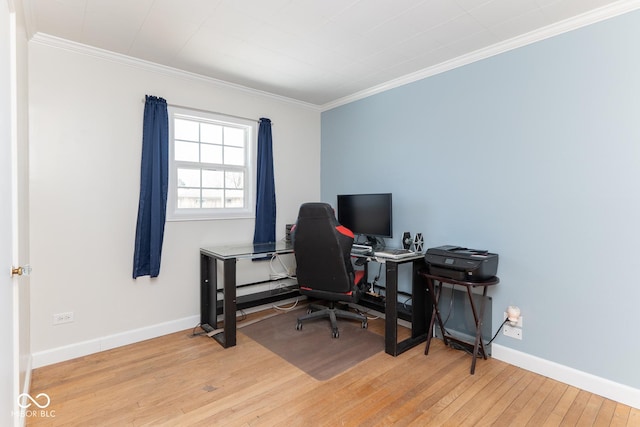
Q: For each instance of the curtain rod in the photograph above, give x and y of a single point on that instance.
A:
(211, 112)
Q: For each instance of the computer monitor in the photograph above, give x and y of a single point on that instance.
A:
(366, 214)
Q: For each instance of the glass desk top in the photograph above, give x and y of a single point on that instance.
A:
(248, 250)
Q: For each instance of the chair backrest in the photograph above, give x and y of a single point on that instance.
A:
(322, 249)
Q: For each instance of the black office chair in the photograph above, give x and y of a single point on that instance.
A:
(322, 249)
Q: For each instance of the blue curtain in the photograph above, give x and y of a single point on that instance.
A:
(153, 188)
(265, 230)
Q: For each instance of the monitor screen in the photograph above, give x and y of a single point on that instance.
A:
(366, 214)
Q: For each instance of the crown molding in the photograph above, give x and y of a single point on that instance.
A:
(60, 43)
(588, 18)
(27, 13)
(612, 10)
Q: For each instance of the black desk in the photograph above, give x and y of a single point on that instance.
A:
(228, 255)
(435, 290)
(419, 303)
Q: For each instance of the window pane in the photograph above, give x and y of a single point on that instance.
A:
(211, 133)
(234, 199)
(186, 151)
(211, 171)
(212, 198)
(186, 129)
(211, 153)
(233, 156)
(188, 198)
(234, 180)
(188, 177)
(234, 136)
(212, 179)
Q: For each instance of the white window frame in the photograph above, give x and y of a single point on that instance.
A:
(183, 214)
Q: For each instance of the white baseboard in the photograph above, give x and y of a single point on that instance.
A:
(84, 348)
(611, 390)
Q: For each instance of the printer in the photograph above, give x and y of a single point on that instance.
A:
(460, 263)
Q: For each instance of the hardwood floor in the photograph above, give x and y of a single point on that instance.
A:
(185, 380)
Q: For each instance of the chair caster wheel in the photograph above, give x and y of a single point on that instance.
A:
(335, 333)
(309, 311)
(365, 325)
(298, 326)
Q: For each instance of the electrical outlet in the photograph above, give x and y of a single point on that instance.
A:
(518, 323)
(60, 318)
(512, 331)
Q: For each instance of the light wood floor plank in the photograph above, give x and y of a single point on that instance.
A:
(576, 409)
(457, 409)
(634, 417)
(542, 388)
(548, 405)
(591, 410)
(524, 390)
(561, 407)
(412, 390)
(605, 413)
(621, 415)
(186, 380)
(496, 397)
(442, 386)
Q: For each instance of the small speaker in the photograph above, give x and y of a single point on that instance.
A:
(287, 236)
(406, 240)
(418, 242)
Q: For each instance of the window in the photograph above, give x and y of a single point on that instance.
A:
(211, 166)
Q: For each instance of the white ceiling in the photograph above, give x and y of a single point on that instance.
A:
(315, 51)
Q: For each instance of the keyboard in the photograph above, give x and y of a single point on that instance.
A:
(395, 253)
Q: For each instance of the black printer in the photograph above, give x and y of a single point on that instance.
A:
(460, 263)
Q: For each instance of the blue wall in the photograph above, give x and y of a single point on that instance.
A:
(533, 154)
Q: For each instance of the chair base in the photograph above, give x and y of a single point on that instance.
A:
(332, 312)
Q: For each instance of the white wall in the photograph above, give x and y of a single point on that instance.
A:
(86, 112)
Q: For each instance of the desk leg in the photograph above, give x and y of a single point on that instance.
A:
(391, 309)
(418, 311)
(208, 285)
(227, 338)
(209, 300)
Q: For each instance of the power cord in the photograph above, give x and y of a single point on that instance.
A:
(194, 333)
(451, 309)
(366, 314)
(375, 280)
(282, 308)
(497, 332)
(275, 275)
(458, 346)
